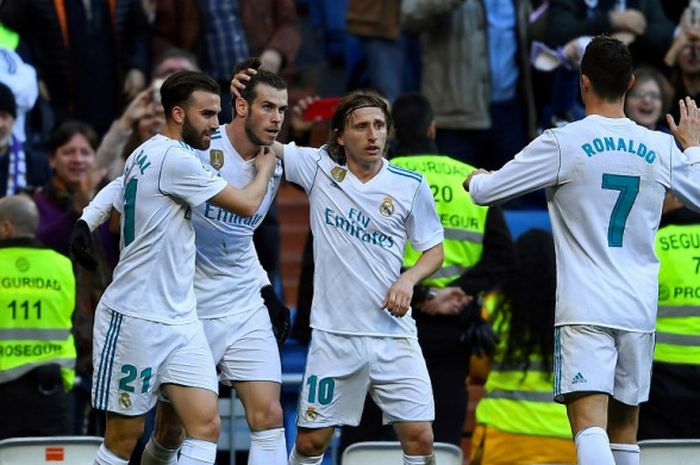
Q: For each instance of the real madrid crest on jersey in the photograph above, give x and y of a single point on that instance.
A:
(386, 208)
(216, 158)
(339, 173)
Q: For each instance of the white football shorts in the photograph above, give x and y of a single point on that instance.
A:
(341, 369)
(244, 347)
(604, 360)
(133, 357)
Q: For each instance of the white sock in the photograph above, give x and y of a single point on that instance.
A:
(418, 459)
(593, 447)
(296, 459)
(625, 454)
(267, 447)
(105, 457)
(155, 454)
(197, 452)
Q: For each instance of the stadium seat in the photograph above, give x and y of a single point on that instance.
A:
(53, 450)
(389, 453)
(670, 452)
(520, 221)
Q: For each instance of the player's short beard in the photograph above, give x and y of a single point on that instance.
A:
(192, 137)
(251, 134)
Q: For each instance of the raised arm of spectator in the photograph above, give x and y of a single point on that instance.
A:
(109, 153)
(660, 28)
(282, 47)
(564, 23)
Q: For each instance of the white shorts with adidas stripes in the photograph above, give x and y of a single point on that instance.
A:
(604, 360)
(133, 357)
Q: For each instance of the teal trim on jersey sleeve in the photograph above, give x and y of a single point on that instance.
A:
(404, 172)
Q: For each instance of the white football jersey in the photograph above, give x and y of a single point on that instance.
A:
(360, 232)
(228, 275)
(163, 180)
(605, 180)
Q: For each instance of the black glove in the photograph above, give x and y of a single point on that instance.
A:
(279, 314)
(81, 245)
(478, 336)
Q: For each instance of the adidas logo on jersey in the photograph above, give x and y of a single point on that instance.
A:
(578, 379)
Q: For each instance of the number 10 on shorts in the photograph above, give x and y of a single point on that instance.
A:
(321, 389)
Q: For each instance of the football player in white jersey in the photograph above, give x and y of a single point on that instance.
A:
(229, 278)
(363, 210)
(605, 178)
(147, 336)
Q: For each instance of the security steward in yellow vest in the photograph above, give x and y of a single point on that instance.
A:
(517, 420)
(673, 409)
(478, 254)
(37, 351)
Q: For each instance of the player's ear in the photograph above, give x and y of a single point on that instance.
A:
(241, 107)
(178, 114)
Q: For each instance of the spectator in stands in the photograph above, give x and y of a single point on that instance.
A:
(19, 169)
(172, 60)
(476, 63)
(21, 78)
(648, 101)
(641, 24)
(89, 54)
(37, 352)
(683, 57)
(518, 423)
(222, 33)
(72, 158)
(375, 26)
(673, 411)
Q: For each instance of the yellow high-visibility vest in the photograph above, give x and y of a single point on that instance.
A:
(678, 319)
(37, 299)
(517, 402)
(464, 222)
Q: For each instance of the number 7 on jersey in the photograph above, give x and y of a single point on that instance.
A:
(629, 188)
